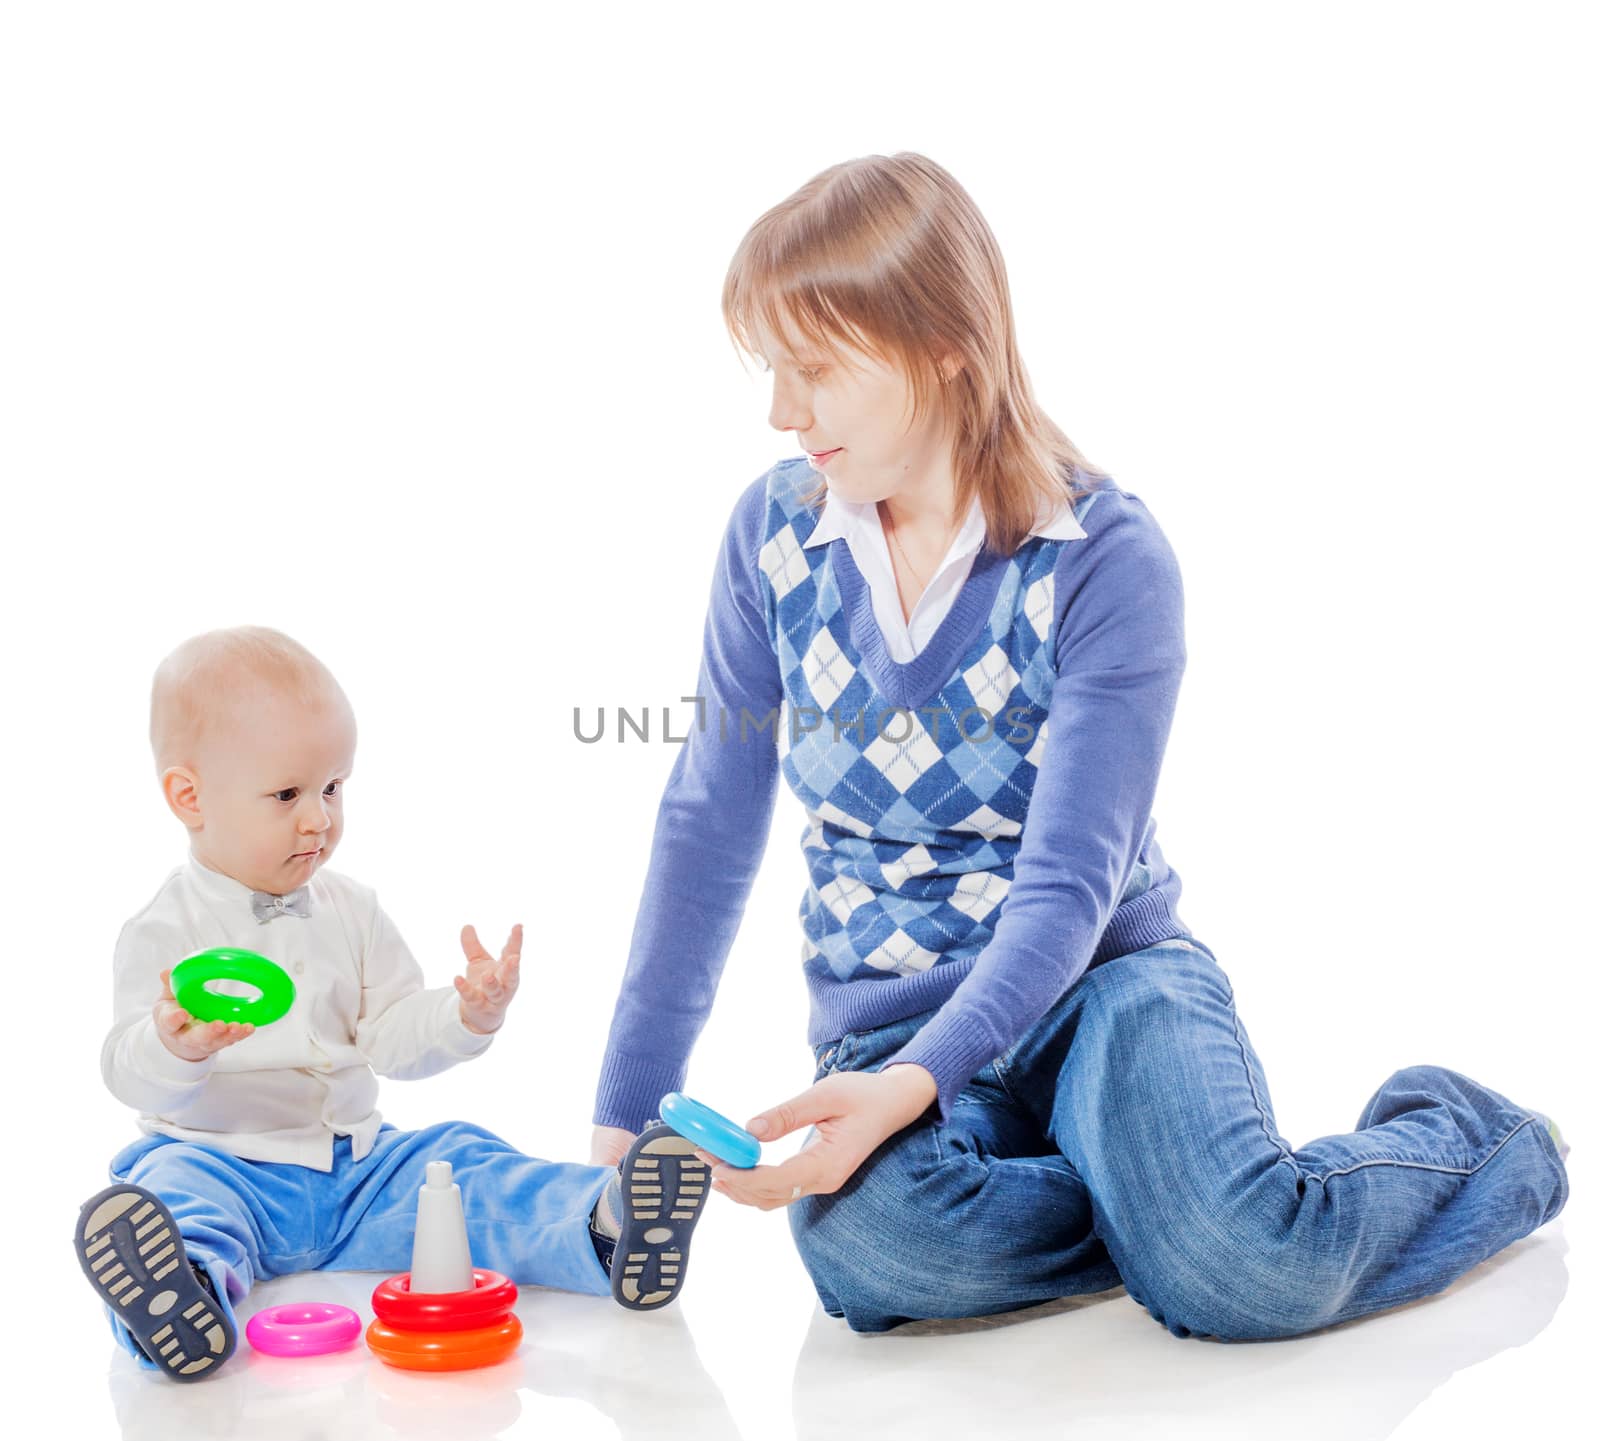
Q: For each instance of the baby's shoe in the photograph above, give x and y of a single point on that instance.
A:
(653, 1202)
(129, 1248)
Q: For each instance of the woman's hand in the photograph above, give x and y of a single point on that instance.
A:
(488, 986)
(854, 1112)
(608, 1145)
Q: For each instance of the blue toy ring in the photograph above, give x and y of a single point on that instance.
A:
(713, 1132)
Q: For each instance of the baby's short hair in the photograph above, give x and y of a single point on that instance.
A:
(194, 684)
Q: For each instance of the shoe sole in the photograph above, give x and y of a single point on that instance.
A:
(663, 1193)
(129, 1248)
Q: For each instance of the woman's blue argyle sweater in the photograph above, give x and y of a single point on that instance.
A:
(978, 827)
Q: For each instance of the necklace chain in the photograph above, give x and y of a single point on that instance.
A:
(894, 535)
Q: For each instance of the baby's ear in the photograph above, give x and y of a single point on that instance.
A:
(180, 788)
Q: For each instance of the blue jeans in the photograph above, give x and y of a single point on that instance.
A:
(249, 1221)
(1128, 1138)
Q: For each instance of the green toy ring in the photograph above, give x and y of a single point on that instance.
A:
(192, 975)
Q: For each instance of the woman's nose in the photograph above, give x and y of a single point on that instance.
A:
(785, 413)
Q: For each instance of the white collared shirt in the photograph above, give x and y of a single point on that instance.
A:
(862, 531)
(284, 1092)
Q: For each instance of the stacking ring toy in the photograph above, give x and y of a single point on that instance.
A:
(192, 975)
(399, 1307)
(445, 1350)
(713, 1132)
(303, 1328)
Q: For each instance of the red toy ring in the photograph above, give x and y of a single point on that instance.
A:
(445, 1350)
(491, 1297)
(303, 1328)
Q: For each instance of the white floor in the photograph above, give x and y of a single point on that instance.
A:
(748, 1354)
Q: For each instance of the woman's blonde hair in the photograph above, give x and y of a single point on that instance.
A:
(196, 685)
(890, 255)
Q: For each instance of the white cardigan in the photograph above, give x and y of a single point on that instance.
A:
(287, 1090)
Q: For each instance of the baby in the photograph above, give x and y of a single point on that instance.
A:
(262, 1153)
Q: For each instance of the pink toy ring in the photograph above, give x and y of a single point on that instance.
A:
(303, 1328)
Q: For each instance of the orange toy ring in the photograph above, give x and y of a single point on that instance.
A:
(490, 1298)
(445, 1350)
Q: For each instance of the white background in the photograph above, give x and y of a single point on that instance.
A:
(396, 327)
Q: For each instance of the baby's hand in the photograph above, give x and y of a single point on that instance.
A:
(187, 1038)
(487, 988)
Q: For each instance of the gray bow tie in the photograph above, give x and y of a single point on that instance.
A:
(264, 905)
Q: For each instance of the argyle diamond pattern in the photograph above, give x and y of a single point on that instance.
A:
(914, 814)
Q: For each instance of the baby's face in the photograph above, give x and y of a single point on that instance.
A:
(268, 790)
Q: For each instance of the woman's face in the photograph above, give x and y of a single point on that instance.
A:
(859, 407)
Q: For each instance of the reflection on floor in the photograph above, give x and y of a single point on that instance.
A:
(747, 1353)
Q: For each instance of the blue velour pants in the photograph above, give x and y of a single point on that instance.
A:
(1128, 1138)
(248, 1221)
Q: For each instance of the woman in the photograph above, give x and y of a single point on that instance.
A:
(961, 645)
